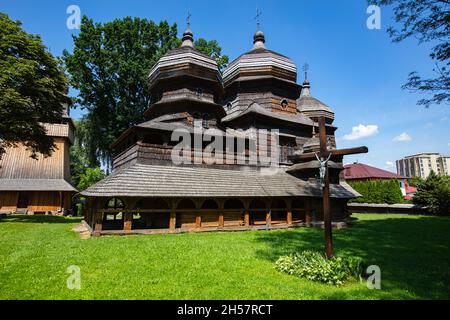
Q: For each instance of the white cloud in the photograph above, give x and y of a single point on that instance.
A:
(402, 137)
(361, 131)
(389, 164)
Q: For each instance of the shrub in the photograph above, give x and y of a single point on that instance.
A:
(316, 267)
(378, 191)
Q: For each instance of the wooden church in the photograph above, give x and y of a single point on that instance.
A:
(148, 192)
(39, 185)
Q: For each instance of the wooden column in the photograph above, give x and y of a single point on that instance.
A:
(198, 220)
(268, 217)
(127, 221)
(246, 213)
(288, 211)
(308, 217)
(128, 216)
(221, 203)
(98, 223)
(173, 219)
(198, 215)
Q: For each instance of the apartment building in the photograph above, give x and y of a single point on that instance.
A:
(420, 165)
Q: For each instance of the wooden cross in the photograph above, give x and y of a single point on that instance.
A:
(324, 154)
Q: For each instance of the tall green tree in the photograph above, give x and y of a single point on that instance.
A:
(426, 21)
(32, 89)
(434, 192)
(109, 66)
(79, 161)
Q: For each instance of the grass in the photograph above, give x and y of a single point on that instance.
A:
(413, 253)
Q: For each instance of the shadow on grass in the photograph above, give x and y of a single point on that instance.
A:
(413, 253)
(38, 219)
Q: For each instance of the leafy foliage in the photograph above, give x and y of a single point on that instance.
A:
(212, 49)
(109, 66)
(32, 89)
(79, 160)
(315, 266)
(90, 177)
(378, 191)
(434, 192)
(414, 181)
(427, 21)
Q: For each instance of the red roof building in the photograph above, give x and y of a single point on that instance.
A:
(360, 171)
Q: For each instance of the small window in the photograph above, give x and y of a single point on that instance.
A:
(284, 103)
(205, 121)
(115, 203)
(229, 105)
(199, 92)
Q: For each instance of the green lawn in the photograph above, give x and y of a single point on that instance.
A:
(413, 253)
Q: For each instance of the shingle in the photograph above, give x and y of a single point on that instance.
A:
(142, 180)
(35, 185)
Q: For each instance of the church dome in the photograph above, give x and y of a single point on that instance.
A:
(312, 107)
(185, 61)
(260, 62)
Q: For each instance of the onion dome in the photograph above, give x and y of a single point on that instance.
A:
(260, 62)
(312, 107)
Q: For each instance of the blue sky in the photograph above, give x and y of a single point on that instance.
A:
(356, 71)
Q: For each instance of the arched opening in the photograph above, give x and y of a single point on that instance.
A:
(298, 211)
(113, 220)
(151, 213)
(186, 215)
(233, 213)
(278, 212)
(257, 211)
(209, 213)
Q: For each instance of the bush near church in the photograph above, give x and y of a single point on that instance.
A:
(377, 191)
(315, 266)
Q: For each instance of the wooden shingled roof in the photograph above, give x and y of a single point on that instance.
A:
(141, 180)
(35, 185)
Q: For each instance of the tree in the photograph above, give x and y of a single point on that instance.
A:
(79, 161)
(32, 89)
(434, 192)
(109, 66)
(427, 21)
(90, 177)
(212, 49)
